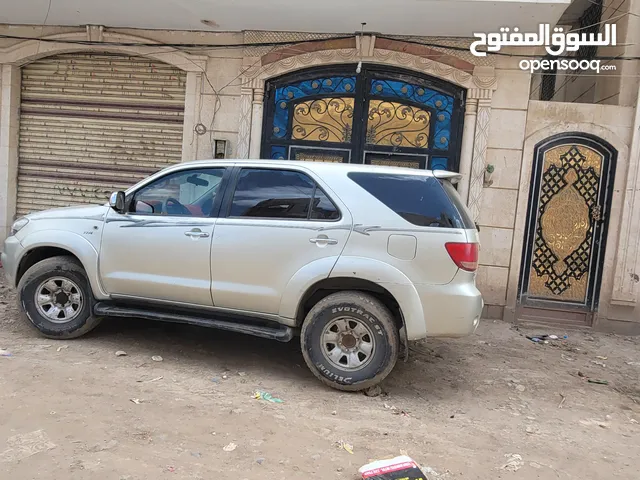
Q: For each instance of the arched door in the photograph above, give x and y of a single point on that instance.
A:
(378, 116)
(568, 216)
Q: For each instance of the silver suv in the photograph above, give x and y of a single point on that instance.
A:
(355, 259)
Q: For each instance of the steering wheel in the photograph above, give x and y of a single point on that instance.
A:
(174, 203)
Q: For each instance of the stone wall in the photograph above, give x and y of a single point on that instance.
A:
(497, 213)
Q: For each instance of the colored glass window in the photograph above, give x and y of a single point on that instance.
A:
(398, 125)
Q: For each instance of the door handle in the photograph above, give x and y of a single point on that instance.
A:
(596, 213)
(196, 233)
(326, 241)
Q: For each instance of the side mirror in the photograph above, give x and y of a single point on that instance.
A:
(116, 201)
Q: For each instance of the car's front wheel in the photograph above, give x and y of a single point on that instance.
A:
(56, 298)
(350, 341)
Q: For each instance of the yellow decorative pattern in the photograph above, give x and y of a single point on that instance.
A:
(318, 157)
(396, 163)
(323, 120)
(398, 125)
(567, 211)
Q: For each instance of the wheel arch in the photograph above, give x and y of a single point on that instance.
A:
(390, 279)
(327, 286)
(40, 245)
(38, 254)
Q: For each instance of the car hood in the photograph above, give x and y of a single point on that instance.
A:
(88, 212)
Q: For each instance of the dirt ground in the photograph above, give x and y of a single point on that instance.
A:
(458, 407)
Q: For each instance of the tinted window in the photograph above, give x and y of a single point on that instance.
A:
(323, 208)
(267, 193)
(457, 202)
(272, 194)
(419, 200)
(185, 193)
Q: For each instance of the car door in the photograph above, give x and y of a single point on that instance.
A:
(159, 248)
(275, 222)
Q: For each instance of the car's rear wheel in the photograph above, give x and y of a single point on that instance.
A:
(350, 341)
(56, 298)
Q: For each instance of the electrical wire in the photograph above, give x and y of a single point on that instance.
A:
(291, 43)
(218, 102)
(609, 60)
(44, 22)
(607, 98)
(274, 45)
(593, 85)
(174, 45)
(604, 8)
(617, 8)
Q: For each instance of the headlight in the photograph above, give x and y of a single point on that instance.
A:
(19, 225)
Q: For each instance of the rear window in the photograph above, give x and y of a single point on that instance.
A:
(422, 201)
(457, 202)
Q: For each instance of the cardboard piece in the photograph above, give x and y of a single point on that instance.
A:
(398, 468)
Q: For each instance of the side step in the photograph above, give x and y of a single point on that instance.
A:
(281, 333)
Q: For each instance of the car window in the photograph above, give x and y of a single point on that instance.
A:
(284, 194)
(420, 200)
(457, 202)
(323, 208)
(187, 193)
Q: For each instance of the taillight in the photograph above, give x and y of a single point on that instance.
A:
(464, 255)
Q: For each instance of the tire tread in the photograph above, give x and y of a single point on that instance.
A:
(65, 264)
(375, 307)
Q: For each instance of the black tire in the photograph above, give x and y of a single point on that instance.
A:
(368, 311)
(61, 267)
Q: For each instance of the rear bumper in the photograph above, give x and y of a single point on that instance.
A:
(452, 310)
(10, 256)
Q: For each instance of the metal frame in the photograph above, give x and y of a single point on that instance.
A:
(292, 148)
(420, 158)
(598, 247)
(357, 146)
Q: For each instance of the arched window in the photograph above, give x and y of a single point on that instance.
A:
(382, 115)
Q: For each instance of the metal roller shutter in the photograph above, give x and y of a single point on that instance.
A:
(94, 123)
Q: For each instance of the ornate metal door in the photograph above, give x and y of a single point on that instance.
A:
(378, 116)
(569, 205)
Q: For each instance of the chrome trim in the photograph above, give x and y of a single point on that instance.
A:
(196, 233)
(271, 223)
(365, 229)
(139, 222)
(328, 241)
(92, 217)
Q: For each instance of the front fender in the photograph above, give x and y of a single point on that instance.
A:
(73, 243)
(394, 281)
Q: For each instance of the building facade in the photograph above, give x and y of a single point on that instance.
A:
(550, 173)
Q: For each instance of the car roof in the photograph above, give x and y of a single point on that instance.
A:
(320, 167)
